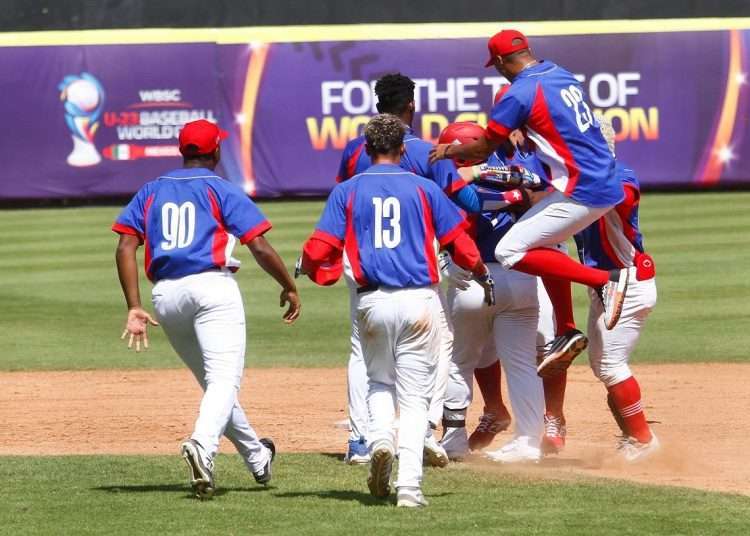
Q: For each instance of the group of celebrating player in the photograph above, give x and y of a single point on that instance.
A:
(498, 203)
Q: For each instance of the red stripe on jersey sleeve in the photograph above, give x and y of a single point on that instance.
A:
(220, 238)
(495, 132)
(429, 238)
(351, 164)
(451, 235)
(540, 120)
(455, 186)
(606, 244)
(260, 229)
(351, 246)
(328, 239)
(148, 255)
(119, 228)
(625, 210)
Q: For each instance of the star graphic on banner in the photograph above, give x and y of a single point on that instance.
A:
(516, 195)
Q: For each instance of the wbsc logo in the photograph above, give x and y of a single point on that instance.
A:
(83, 96)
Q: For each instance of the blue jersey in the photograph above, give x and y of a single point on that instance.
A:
(387, 221)
(416, 159)
(548, 103)
(614, 240)
(188, 221)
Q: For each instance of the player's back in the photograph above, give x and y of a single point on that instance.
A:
(392, 215)
(188, 220)
(560, 122)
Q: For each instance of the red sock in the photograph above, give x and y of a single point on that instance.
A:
(488, 379)
(626, 397)
(546, 262)
(554, 394)
(561, 295)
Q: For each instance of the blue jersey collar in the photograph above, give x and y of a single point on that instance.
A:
(190, 173)
(386, 168)
(542, 67)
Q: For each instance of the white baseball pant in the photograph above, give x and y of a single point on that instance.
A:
(357, 373)
(609, 350)
(554, 219)
(204, 320)
(400, 336)
(509, 328)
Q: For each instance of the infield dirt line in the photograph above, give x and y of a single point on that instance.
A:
(699, 411)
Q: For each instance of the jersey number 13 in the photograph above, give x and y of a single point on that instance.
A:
(387, 209)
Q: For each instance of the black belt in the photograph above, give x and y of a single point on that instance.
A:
(367, 288)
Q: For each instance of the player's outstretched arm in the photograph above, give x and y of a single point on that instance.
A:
(127, 269)
(269, 260)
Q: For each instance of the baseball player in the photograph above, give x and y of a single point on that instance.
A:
(395, 94)
(387, 221)
(615, 241)
(189, 221)
(548, 104)
(482, 334)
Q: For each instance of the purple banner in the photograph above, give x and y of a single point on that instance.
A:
(90, 121)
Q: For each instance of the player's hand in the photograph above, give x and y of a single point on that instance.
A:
(456, 276)
(136, 326)
(438, 152)
(292, 313)
(488, 284)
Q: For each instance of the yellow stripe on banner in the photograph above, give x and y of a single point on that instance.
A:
(360, 32)
(253, 77)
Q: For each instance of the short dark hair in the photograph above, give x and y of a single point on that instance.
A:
(395, 91)
(384, 134)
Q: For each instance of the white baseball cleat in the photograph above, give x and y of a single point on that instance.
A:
(381, 466)
(634, 451)
(434, 453)
(411, 498)
(455, 443)
(613, 295)
(521, 449)
(201, 469)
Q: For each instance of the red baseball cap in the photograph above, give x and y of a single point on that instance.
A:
(200, 137)
(504, 43)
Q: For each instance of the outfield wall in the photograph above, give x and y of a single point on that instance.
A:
(96, 113)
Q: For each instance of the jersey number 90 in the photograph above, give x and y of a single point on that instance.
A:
(387, 209)
(177, 225)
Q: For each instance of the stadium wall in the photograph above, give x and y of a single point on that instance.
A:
(96, 113)
(88, 14)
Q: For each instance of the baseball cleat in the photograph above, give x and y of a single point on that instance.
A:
(521, 449)
(613, 296)
(455, 443)
(556, 356)
(411, 498)
(201, 473)
(264, 476)
(634, 451)
(434, 454)
(553, 440)
(489, 426)
(381, 466)
(356, 452)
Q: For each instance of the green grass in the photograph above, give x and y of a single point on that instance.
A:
(62, 308)
(317, 494)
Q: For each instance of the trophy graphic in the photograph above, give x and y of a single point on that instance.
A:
(84, 101)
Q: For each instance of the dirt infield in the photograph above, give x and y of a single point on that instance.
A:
(700, 412)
